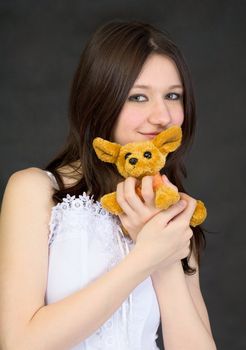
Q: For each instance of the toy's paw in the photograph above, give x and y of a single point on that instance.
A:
(165, 197)
(110, 203)
(199, 214)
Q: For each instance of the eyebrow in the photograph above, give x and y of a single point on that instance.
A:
(148, 87)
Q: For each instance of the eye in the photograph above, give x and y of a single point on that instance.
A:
(147, 154)
(127, 155)
(174, 96)
(134, 98)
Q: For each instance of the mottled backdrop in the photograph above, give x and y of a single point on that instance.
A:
(40, 46)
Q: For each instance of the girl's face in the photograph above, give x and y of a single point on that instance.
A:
(155, 105)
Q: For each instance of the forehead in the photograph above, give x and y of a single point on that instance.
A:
(137, 147)
(160, 69)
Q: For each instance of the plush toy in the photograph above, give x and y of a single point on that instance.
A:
(139, 159)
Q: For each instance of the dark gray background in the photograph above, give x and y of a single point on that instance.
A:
(40, 47)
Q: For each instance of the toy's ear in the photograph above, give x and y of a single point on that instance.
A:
(168, 140)
(106, 150)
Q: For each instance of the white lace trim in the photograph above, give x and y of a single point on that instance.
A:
(84, 202)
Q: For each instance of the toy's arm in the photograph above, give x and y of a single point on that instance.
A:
(157, 181)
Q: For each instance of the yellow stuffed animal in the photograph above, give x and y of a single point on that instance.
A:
(139, 159)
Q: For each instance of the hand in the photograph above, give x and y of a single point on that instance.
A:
(165, 238)
(137, 213)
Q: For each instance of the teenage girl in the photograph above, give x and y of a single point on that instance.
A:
(70, 278)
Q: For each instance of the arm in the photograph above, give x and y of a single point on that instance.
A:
(193, 285)
(184, 322)
(182, 325)
(25, 322)
(80, 314)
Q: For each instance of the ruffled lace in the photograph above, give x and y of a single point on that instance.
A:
(85, 201)
(82, 202)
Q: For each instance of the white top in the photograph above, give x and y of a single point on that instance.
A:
(85, 241)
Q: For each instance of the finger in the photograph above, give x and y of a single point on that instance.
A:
(165, 216)
(127, 197)
(120, 196)
(131, 196)
(147, 191)
(191, 206)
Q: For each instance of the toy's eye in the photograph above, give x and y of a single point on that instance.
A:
(147, 154)
(127, 155)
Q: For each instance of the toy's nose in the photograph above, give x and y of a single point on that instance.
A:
(133, 161)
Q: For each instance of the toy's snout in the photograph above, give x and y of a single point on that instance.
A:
(139, 162)
(133, 161)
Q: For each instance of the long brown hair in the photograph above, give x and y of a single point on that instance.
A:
(109, 65)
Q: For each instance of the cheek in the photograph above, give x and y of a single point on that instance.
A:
(129, 120)
(179, 120)
(178, 116)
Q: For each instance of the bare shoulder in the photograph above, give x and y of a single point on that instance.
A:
(30, 183)
(28, 190)
(31, 175)
(27, 201)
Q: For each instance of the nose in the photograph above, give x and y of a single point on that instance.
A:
(160, 114)
(133, 161)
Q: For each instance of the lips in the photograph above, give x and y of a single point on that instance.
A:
(150, 133)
